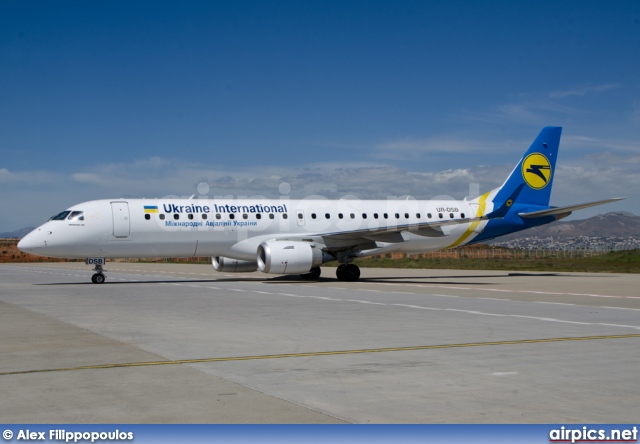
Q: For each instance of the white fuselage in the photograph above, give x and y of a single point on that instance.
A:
(235, 228)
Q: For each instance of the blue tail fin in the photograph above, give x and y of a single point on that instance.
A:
(534, 173)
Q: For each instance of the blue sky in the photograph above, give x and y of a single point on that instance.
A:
(364, 98)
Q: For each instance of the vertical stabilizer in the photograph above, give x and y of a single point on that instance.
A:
(534, 173)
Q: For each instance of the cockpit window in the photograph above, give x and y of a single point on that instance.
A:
(77, 215)
(61, 216)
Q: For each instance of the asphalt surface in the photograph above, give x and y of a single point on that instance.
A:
(167, 343)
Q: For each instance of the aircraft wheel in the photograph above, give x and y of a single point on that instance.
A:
(348, 272)
(313, 274)
(98, 278)
(351, 273)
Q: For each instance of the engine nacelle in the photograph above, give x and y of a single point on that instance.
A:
(282, 257)
(229, 265)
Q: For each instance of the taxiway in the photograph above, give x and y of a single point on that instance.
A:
(167, 343)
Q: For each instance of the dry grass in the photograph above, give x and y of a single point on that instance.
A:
(9, 253)
(470, 258)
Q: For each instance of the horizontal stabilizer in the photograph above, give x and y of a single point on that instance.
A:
(567, 209)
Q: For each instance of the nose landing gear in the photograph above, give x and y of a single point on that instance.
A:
(98, 277)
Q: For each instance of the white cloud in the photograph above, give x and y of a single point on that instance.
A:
(610, 169)
(577, 143)
(534, 112)
(583, 90)
(539, 108)
(88, 178)
(635, 115)
(590, 177)
(28, 178)
(435, 148)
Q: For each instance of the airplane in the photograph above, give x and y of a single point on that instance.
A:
(297, 236)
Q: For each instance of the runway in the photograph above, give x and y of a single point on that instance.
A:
(167, 343)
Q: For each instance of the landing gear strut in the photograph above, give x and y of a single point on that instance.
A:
(348, 272)
(313, 274)
(99, 277)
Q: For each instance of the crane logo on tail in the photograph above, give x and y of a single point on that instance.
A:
(536, 171)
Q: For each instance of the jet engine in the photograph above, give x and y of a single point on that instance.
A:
(282, 257)
(228, 265)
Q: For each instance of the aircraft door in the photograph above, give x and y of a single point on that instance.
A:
(121, 225)
(300, 217)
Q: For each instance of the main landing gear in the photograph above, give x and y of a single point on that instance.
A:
(348, 272)
(345, 273)
(313, 274)
(99, 277)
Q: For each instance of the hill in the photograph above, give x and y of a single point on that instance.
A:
(618, 224)
(617, 230)
(16, 234)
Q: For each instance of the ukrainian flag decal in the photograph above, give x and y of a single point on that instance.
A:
(150, 209)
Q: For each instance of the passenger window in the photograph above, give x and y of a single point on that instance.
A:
(232, 216)
(406, 215)
(313, 216)
(271, 216)
(162, 217)
(204, 216)
(397, 216)
(451, 215)
(462, 215)
(258, 216)
(218, 216)
(364, 215)
(176, 216)
(300, 216)
(440, 215)
(429, 215)
(285, 216)
(147, 216)
(386, 216)
(340, 216)
(327, 216)
(375, 215)
(418, 215)
(190, 216)
(353, 216)
(245, 216)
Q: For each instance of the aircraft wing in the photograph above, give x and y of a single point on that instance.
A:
(429, 228)
(368, 236)
(568, 209)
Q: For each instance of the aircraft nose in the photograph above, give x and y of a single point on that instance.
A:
(26, 243)
(32, 242)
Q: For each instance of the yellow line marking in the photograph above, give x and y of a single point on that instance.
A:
(482, 204)
(324, 353)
